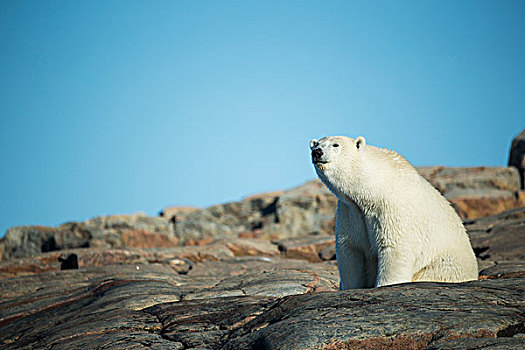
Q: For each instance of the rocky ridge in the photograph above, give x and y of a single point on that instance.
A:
(156, 298)
(258, 274)
(304, 211)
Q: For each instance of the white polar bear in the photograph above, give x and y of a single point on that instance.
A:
(392, 225)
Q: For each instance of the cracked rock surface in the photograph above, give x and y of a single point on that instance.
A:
(250, 303)
(122, 306)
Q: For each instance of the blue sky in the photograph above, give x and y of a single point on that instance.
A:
(111, 107)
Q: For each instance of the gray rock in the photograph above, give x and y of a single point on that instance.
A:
(121, 306)
(310, 208)
(517, 155)
(250, 303)
(137, 230)
(499, 237)
(415, 316)
(304, 210)
(228, 220)
(108, 231)
(29, 240)
(175, 214)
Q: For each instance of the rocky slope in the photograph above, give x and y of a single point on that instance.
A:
(258, 274)
(234, 296)
(304, 211)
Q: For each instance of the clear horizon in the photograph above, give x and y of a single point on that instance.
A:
(128, 106)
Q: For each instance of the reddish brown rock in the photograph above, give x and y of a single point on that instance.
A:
(505, 269)
(478, 191)
(251, 247)
(478, 204)
(179, 258)
(328, 253)
(203, 241)
(306, 248)
(447, 180)
(108, 231)
(89, 257)
(145, 239)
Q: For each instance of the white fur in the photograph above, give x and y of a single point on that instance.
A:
(392, 225)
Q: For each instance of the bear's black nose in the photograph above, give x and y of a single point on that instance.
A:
(317, 154)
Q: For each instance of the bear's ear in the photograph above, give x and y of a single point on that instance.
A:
(360, 142)
(314, 143)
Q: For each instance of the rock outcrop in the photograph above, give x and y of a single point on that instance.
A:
(499, 237)
(246, 293)
(477, 192)
(307, 209)
(517, 155)
(114, 231)
(303, 211)
(310, 208)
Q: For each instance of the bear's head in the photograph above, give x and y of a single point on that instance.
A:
(334, 149)
(336, 161)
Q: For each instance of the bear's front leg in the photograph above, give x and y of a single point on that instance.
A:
(351, 241)
(393, 267)
(351, 266)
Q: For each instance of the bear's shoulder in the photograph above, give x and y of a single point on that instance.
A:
(389, 157)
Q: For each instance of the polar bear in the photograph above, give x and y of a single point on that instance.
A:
(392, 225)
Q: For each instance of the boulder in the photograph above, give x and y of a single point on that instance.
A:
(228, 220)
(517, 155)
(499, 237)
(116, 231)
(313, 248)
(451, 179)
(477, 204)
(304, 210)
(478, 191)
(137, 230)
(24, 241)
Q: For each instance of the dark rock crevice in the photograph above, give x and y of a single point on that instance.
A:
(513, 329)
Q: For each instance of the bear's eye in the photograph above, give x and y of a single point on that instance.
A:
(335, 145)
